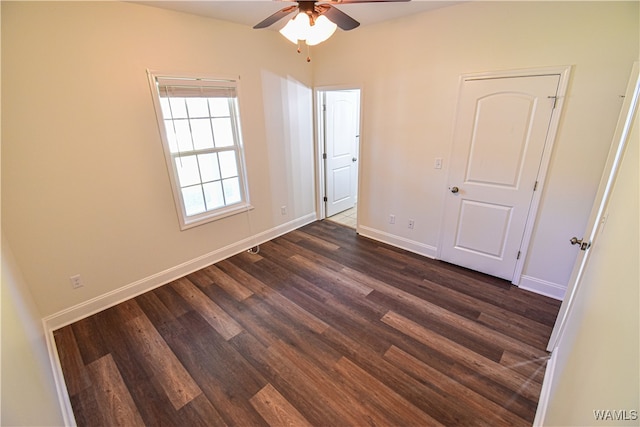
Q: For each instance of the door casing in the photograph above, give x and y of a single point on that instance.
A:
(598, 214)
(319, 138)
(564, 72)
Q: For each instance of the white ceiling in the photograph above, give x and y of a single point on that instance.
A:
(250, 12)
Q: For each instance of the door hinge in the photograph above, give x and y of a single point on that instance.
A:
(325, 199)
(518, 256)
(324, 156)
(555, 101)
(324, 107)
(535, 186)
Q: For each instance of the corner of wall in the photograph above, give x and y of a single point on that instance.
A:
(26, 370)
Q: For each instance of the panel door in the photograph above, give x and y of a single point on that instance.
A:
(341, 141)
(501, 130)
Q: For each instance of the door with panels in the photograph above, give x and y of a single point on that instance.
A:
(341, 121)
(502, 127)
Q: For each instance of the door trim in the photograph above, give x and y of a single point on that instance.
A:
(319, 141)
(619, 142)
(564, 72)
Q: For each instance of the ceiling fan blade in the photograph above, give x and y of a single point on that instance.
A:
(275, 17)
(362, 1)
(339, 18)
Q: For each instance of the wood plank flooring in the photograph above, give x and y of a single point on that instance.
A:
(321, 328)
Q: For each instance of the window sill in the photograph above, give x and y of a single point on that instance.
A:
(207, 217)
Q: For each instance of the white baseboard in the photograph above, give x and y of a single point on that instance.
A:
(397, 241)
(542, 287)
(102, 302)
(545, 392)
(539, 286)
(58, 379)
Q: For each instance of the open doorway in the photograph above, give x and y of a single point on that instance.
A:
(339, 145)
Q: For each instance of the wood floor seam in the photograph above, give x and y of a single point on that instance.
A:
(322, 328)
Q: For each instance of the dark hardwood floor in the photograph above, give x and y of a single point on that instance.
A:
(322, 328)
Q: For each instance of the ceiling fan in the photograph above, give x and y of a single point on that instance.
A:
(314, 21)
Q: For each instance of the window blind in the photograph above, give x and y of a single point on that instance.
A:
(189, 88)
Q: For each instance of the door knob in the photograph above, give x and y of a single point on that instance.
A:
(355, 159)
(454, 189)
(583, 245)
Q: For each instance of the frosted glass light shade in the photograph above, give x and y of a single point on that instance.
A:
(299, 28)
(321, 31)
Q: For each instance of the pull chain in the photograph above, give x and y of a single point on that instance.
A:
(299, 50)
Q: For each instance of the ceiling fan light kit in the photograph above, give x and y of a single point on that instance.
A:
(312, 32)
(314, 23)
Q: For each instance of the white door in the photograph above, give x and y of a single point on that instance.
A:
(599, 210)
(341, 131)
(501, 130)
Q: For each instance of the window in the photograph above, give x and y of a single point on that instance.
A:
(200, 128)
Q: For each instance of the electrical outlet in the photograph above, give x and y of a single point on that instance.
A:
(411, 223)
(283, 210)
(76, 281)
(438, 163)
(392, 219)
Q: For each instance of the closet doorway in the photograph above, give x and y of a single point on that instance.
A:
(339, 145)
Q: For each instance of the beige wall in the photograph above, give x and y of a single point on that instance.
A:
(84, 184)
(28, 389)
(597, 356)
(85, 188)
(409, 73)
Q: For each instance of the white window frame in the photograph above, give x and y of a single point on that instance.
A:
(156, 80)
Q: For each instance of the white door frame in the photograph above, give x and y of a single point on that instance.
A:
(592, 231)
(319, 138)
(598, 212)
(564, 72)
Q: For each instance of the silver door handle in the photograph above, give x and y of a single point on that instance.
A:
(583, 245)
(454, 190)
